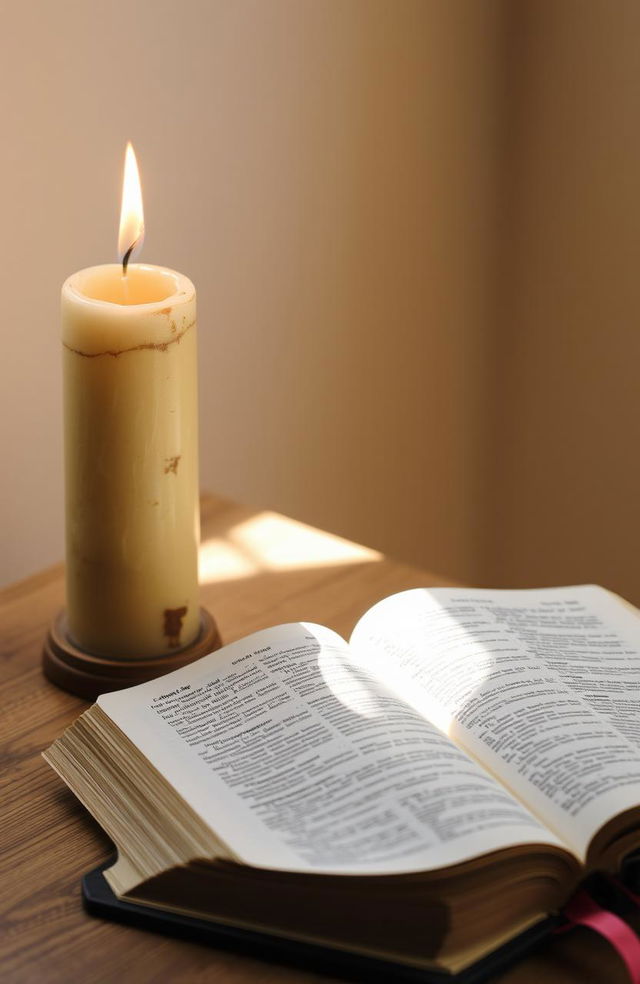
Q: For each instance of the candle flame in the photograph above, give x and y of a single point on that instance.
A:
(131, 214)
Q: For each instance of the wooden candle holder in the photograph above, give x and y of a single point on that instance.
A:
(88, 676)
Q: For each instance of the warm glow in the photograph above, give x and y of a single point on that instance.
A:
(269, 542)
(131, 214)
(284, 544)
(220, 561)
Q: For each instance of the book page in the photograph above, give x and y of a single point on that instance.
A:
(542, 686)
(299, 760)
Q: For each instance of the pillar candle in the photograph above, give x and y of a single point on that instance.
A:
(131, 469)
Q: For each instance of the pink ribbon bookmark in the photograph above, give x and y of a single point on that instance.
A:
(583, 911)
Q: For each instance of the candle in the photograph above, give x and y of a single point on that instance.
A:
(131, 452)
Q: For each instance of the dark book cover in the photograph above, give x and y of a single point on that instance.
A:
(100, 901)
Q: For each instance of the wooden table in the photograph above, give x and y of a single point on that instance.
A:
(258, 569)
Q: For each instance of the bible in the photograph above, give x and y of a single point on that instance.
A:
(419, 796)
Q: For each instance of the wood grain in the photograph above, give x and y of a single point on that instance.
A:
(48, 839)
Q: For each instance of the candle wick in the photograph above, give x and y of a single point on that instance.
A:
(127, 257)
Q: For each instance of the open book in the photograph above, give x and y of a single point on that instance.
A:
(421, 794)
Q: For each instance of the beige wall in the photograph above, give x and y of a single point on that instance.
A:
(324, 171)
(414, 229)
(566, 437)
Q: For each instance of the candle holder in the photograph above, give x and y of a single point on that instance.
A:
(88, 675)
